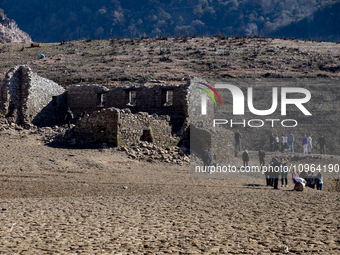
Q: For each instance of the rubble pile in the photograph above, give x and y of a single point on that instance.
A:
(150, 152)
(138, 151)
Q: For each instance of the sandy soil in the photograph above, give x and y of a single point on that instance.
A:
(72, 201)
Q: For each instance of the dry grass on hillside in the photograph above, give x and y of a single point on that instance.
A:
(126, 61)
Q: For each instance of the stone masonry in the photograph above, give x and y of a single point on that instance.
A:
(116, 127)
(27, 98)
(202, 133)
(160, 99)
(161, 114)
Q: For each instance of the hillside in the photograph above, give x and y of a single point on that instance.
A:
(145, 61)
(51, 21)
(322, 25)
(9, 31)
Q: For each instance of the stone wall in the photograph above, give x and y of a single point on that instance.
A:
(135, 128)
(28, 98)
(120, 127)
(99, 127)
(160, 99)
(82, 98)
(202, 133)
(194, 102)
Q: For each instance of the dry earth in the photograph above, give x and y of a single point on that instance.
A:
(91, 201)
(146, 61)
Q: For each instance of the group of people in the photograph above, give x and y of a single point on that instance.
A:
(281, 143)
(307, 144)
(286, 143)
(69, 117)
(307, 179)
(279, 168)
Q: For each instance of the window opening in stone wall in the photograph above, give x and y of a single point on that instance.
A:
(167, 96)
(54, 100)
(101, 99)
(131, 97)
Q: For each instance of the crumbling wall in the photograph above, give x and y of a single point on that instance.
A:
(88, 98)
(202, 132)
(120, 127)
(159, 99)
(195, 104)
(218, 139)
(133, 127)
(28, 98)
(99, 127)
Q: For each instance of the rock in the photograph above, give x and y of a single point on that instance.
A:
(11, 32)
(181, 152)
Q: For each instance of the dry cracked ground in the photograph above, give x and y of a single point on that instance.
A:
(56, 200)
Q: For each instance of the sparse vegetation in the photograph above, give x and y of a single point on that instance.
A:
(119, 61)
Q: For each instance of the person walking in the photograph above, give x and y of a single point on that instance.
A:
(245, 158)
(276, 173)
(262, 154)
(284, 172)
(290, 140)
(309, 144)
(210, 158)
(319, 181)
(304, 144)
(277, 143)
(272, 141)
(205, 159)
(282, 142)
(322, 143)
(285, 143)
(238, 137)
(68, 117)
(270, 173)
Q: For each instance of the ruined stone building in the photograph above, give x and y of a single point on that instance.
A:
(26, 98)
(162, 114)
(168, 100)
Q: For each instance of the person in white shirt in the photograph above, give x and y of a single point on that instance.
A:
(309, 144)
(300, 183)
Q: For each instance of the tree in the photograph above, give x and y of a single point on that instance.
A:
(99, 32)
(180, 21)
(197, 23)
(2, 14)
(251, 30)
